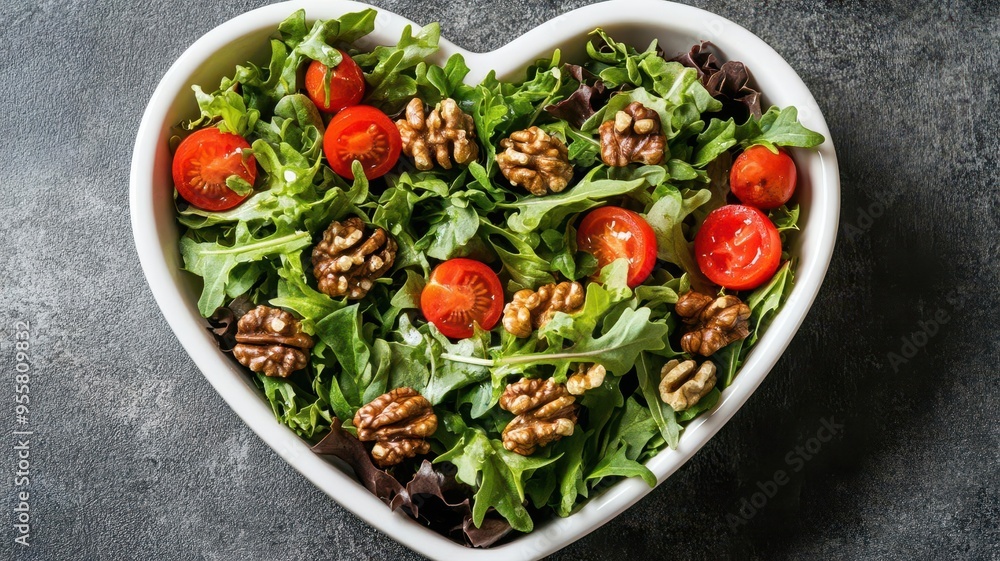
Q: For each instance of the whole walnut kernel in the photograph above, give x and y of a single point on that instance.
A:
(349, 259)
(715, 322)
(536, 161)
(271, 341)
(398, 422)
(682, 387)
(633, 135)
(446, 132)
(531, 309)
(545, 413)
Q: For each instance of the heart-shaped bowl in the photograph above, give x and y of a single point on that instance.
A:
(676, 27)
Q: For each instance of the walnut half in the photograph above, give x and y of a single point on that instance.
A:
(398, 422)
(633, 135)
(531, 309)
(682, 387)
(545, 413)
(271, 341)
(536, 161)
(715, 322)
(349, 258)
(444, 134)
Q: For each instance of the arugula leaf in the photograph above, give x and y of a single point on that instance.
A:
(394, 212)
(316, 44)
(226, 108)
(630, 432)
(636, 428)
(777, 127)
(569, 469)
(311, 209)
(451, 229)
(295, 294)
(435, 83)
(342, 332)
(390, 86)
(617, 462)
(453, 375)
(524, 266)
(563, 253)
(785, 218)
(666, 217)
(704, 404)
(763, 303)
(498, 475)
(582, 149)
(648, 371)
(678, 84)
(298, 42)
(412, 358)
(213, 261)
(716, 139)
(489, 112)
(304, 413)
(534, 213)
(602, 404)
(611, 288)
(616, 349)
(406, 298)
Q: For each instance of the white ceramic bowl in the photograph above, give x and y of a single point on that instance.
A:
(636, 21)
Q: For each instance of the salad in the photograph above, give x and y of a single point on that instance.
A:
(490, 300)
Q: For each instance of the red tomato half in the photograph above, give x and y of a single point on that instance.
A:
(737, 247)
(203, 162)
(362, 133)
(346, 80)
(761, 178)
(612, 232)
(461, 293)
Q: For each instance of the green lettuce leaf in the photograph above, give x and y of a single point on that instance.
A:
(666, 217)
(616, 349)
(764, 303)
(214, 261)
(497, 474)
(522, 265)
(616, 462)
(648, 371)
(540, 213)
(303, 412)
(778, 127)
(389, 70)
(295, 294)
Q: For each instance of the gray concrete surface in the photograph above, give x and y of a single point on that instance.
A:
(134, 456)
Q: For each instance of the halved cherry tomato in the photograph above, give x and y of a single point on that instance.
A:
(761, 178)
(203, 162)
(612, 232)
(362, 133)
(462, 292)
(346, 80)
(737, 247)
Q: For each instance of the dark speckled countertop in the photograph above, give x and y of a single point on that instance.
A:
(134, 455)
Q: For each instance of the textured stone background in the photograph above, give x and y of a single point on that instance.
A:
(135, 455)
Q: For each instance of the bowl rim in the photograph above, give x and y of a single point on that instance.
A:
(819, 237)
